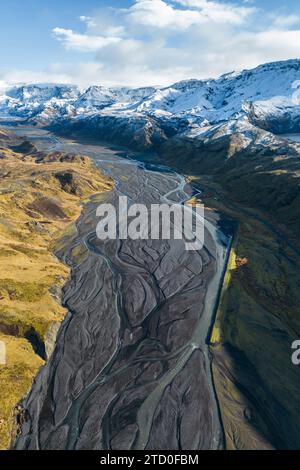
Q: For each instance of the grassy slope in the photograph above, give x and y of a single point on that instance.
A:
(258, 317)
(38, 202)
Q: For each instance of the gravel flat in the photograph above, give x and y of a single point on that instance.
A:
(131, 367)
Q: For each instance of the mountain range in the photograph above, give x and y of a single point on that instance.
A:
(224, 136)
(267, 96)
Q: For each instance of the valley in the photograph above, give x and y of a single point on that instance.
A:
(162, 348)
(140, 343)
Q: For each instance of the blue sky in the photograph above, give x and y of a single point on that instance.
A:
(141, 42)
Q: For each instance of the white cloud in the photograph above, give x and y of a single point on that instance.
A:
(88, 20)
(219, 12)
(156, 13)
(161, 14)
(49, 75)
(157, 42)
(82, 42)
(286, 21)
(272, 45)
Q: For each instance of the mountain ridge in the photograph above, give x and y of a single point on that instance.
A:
(199, 103)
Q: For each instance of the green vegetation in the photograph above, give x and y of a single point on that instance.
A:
(255, 181)
(39, 202)
(257, 320)
(23, 291)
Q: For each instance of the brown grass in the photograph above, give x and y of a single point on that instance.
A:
(35, 209)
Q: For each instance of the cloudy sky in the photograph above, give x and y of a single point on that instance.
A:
(142, 42)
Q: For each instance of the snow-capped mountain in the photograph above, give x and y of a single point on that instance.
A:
(26, 101)
(268, 96)
(267, 89)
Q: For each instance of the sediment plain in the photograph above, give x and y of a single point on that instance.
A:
(131, 368)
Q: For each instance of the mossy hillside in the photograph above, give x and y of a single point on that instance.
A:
(257, 320)
(258, 185)
(22, 291)
(36, 210)
(15, 380)
(19, 322)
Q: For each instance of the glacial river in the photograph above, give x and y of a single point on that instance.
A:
(131, 368)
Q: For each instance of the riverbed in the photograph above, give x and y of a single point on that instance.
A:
(131, 367)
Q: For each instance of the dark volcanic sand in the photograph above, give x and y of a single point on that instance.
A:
(131, 367)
